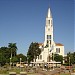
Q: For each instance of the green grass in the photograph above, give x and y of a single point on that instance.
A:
(6, 71)
(4, 74)
(17, 70)
(64, 74)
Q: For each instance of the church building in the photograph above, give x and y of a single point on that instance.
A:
(49, 47)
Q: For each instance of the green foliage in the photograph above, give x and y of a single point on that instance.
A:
(13, 49)
(58, 58)
(14, 59)
(10, 52)
(2, 59)
(5, 53)
(33, 51)
(72, 58)
(24, 58)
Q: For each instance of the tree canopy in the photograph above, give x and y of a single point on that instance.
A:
(72, 58)
(23, 57)
(5, 53)
(58, 58)
(33, 51)
(13, 49)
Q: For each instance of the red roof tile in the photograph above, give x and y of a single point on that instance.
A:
(59, 44)
(40, 44)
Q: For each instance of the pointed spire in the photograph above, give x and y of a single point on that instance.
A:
(49, 13)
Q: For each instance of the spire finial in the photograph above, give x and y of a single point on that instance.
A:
(49, 13)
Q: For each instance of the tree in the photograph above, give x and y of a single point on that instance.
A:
(2, 59)
(13, 49)
(4, 54)
(33, 51)
(24, 58)
(14, 59)
(72, 58)
(58, 58)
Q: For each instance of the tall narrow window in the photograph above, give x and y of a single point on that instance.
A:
(49, 21)
(57, 50)
(48, 36)
(47, 41)
(40, 56)
(50, 42)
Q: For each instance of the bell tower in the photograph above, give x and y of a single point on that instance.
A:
(49, 29)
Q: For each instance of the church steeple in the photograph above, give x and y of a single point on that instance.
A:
(49, 13)
(49, 29)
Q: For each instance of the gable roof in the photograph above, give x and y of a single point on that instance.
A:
(40, 44)
(59, 44)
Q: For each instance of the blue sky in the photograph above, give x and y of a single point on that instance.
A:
(23, 22)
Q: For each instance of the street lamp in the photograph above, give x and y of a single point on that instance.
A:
(10, 63)
(69, 63)
(20, 63)
(11, 53)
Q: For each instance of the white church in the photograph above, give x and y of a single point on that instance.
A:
(49, 46)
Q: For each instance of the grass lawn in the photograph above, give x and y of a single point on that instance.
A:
(64, 74)
(17, 70)
(35, 74)
(7, 70)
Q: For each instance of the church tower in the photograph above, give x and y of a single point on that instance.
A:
(49, 30)
(49, 47)
(49, 42)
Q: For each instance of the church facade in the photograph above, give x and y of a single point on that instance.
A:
(49, 47)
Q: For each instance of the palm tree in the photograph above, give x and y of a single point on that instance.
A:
(13, 49)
